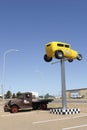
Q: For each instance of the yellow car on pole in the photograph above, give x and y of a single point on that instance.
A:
(60, 50)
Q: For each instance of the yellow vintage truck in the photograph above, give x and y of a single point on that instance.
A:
(60, 50)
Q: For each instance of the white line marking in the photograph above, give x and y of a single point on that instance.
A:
(79, 116)
(75, 127)
(46, 121)
(53, 120)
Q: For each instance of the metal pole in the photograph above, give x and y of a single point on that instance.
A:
(63, 83)
(3, 84)
(4, 60)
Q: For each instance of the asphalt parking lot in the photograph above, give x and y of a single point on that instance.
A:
(41, 120)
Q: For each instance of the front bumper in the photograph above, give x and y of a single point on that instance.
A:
(6, 108)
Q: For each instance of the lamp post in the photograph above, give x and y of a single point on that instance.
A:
(4, 63)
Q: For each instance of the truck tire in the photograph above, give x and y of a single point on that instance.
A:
(14, 109)
(70, 60)
(47, 59)
(59, 54)
(79, 57)
(43, 106)
(35, 107)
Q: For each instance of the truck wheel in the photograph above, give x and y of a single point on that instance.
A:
(14, 109)
(79, 57)
(35, 107)
(47, 59)
(43, 106)
(70, 60)
(59, 54)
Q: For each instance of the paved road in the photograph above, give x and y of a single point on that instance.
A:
(41, 120)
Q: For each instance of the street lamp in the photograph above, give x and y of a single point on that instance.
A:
(4, 62)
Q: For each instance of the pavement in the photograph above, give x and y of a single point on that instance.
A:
(41, 120)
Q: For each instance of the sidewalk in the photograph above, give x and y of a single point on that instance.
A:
(1, 107)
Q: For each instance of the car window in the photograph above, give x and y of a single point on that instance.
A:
(48, 45)
(27, 95)
(61, 45)
(67, 46)
(20, 96)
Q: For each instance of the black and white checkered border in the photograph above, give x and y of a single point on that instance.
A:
(62, 111)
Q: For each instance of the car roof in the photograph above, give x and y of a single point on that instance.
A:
(58, 42)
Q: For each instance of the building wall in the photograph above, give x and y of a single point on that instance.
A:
(82, 92)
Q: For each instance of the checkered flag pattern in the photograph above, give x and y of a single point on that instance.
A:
(62, 111)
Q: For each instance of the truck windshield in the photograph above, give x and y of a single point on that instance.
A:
(20, 96)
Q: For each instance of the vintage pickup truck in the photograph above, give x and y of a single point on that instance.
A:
(25, 101)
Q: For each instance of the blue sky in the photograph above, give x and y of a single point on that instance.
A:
(27, 25)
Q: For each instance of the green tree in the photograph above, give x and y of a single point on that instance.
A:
(18, 93)
(8, 94)
(13, 96)
(47, 95)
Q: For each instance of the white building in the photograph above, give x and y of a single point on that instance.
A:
(35, 94)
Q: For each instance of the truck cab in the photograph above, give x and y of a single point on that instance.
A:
(25, 100)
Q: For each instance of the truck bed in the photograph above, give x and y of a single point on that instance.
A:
(42, 100)
(40, 103)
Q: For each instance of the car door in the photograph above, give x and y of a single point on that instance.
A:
(27, 102)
